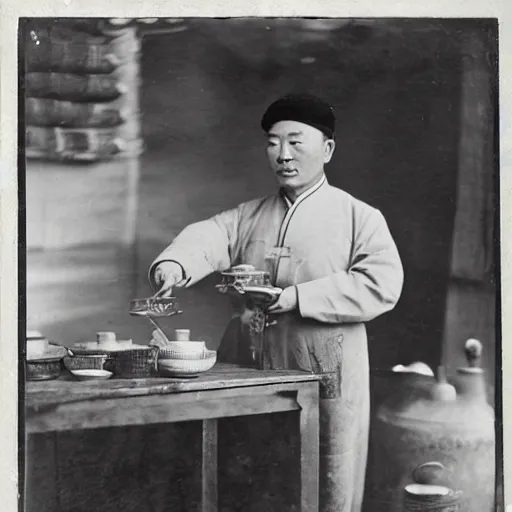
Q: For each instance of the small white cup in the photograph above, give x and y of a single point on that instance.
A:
(105, 336)
(182, 334)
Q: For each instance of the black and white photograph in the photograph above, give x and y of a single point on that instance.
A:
(259, 264)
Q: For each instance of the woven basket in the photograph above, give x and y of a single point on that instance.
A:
(126, 364)
(92, 362)
(48, 112)
(71, 87)
(135, 363)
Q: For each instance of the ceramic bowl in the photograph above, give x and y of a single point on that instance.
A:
(187, 368)
(186, 350)
(84, 375)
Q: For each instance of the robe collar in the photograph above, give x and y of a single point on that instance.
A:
(291, 208)
(304, 194)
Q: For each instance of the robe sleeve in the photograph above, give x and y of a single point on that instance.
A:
(370, 287)
(203, 247)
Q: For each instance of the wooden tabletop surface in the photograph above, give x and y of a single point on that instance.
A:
(43, 394)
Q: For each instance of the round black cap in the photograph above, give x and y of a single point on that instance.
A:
(303, 108)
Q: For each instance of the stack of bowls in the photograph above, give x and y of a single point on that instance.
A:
(183, 358)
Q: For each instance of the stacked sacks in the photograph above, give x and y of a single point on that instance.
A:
(81, 91)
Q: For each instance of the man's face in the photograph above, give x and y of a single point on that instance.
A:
(297, 154)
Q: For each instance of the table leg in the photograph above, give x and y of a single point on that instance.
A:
(309, 447)
(209, 498)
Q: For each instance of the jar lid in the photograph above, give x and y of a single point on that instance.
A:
(103, 337)
(427, 490)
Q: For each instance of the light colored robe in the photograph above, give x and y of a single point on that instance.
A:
(340, 255)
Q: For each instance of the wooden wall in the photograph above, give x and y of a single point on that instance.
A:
(471, 298)
(70, 205)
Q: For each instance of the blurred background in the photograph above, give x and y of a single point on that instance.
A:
(416, 108)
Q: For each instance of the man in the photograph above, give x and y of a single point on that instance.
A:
(337, 264)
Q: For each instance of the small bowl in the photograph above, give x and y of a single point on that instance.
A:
(43, 369)
(189, 350)
(83, 375)
(187, 368)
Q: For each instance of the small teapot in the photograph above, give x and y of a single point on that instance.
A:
(251, 286)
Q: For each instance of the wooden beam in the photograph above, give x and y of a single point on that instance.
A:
(154, 409)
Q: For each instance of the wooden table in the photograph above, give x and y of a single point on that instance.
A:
(225, 391)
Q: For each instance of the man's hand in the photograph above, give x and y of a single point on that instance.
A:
(167, 275)
(287, 301)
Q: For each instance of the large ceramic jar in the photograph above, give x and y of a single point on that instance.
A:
(425, 420)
